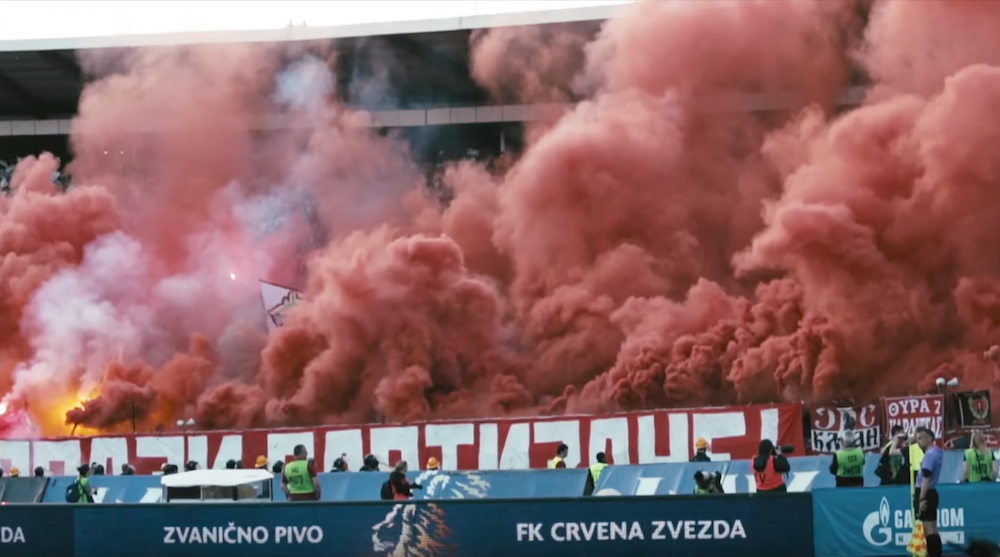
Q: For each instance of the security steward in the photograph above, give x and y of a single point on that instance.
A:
(769, 468)
(978, 465)
(598, 467)
(560, 460)
(848, 463)
(299, 481)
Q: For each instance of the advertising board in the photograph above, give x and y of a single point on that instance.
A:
(33, 530)
(879, 521)
(690, 526)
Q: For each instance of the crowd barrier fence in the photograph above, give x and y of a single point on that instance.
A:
(22, 490)
(808, 473)
(581, 527)
(357, 486)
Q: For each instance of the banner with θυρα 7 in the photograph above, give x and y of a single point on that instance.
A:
(702, 526)
(911, 412)
(879, 521)
(33, 530)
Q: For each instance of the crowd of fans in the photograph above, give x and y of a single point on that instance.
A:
(6, 173)
(60, 179)
(370, 464)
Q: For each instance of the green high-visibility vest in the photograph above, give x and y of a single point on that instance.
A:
(979, 465)
(850, 463)
(83, 484)
(596, 469)
(700, 491)
(299, 481)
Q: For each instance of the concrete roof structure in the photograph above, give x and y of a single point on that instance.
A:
(41, 81)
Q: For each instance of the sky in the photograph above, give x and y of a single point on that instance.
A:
(29, 20)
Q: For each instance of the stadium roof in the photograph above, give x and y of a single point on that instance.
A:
(303, 33)
(41, 82)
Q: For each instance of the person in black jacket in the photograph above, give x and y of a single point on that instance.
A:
(894, 464)
(340, 465)
(369, 464)
(982, 548)
(401, 487)
(769, 467)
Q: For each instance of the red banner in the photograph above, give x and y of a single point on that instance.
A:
(829, 424)
(912, 412)
(627, 438)
(961, 440)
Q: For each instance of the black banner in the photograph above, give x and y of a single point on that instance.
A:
(974, 409)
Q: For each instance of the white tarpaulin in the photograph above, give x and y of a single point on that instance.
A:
(277, 300)
(216, 478)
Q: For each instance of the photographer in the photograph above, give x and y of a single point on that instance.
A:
(707, 483)
(894, 464)
(397, 487)
(769, 467)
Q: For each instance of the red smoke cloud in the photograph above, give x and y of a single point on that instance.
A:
(658, 245)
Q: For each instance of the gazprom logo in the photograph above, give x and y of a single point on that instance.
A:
(876, 525)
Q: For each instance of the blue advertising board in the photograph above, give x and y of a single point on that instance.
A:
(362, 486)
(108, 489)
(808, 473)
(689, 526)
(31, 530)
(492, 484)
(878, 521)
(654, 479)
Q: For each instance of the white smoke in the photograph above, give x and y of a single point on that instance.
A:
(80, 317)
(307, 86)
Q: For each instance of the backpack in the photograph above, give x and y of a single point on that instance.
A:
(387, 491)
(73, 492)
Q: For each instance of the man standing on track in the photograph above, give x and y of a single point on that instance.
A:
(926, 496)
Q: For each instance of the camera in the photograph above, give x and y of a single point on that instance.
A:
(784, 449)
(709, 481)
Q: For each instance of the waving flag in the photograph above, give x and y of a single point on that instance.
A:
(277, 301)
